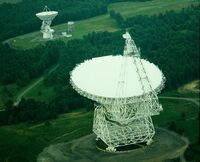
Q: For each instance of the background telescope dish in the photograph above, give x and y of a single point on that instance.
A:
(98, 78)
(47, 15)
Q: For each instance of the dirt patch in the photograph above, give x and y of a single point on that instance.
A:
(191, 87)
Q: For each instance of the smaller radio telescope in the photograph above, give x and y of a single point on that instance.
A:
(47, 17)
(125, 88)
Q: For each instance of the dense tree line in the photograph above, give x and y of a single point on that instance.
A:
(175, 51)
(22, 66)
(27, 111)
(112, 1)
(66, 98)
(17, 19)
(30, 110)
(169, 40)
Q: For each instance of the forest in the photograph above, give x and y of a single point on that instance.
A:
(21, 67)
(14, 22)
(169, 40)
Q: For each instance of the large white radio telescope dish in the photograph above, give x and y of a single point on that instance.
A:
(47, 15)
(100, 76)
(126, 89)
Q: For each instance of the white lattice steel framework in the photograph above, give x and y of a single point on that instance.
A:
(121, 121)
(47, 17)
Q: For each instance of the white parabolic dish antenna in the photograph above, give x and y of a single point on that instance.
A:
(126, 87)
(47, 17)
(99, 77)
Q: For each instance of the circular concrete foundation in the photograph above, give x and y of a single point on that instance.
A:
(166, 145)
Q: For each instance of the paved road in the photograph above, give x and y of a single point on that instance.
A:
(19, 97)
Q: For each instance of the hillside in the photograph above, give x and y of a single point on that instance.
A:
(178, 115)
(39, 106)
(103, 22)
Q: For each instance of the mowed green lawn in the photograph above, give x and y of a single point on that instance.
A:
(41, 92)
(23, 142)
(103, 22)
(154, 7)
(31, 40)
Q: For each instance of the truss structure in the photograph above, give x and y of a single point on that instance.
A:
(125, 121)
(121, 116)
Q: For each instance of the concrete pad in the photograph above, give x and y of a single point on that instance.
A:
(167, 145)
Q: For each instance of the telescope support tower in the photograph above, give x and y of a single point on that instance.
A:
(123, 122)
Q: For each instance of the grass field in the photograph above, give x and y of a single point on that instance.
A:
(173, 110)
(41, 92)
(103, 22)
(13, 91)
(100, 23)
(23, 142)
(129, 9)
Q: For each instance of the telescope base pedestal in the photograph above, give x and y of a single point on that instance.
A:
(166, 145)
